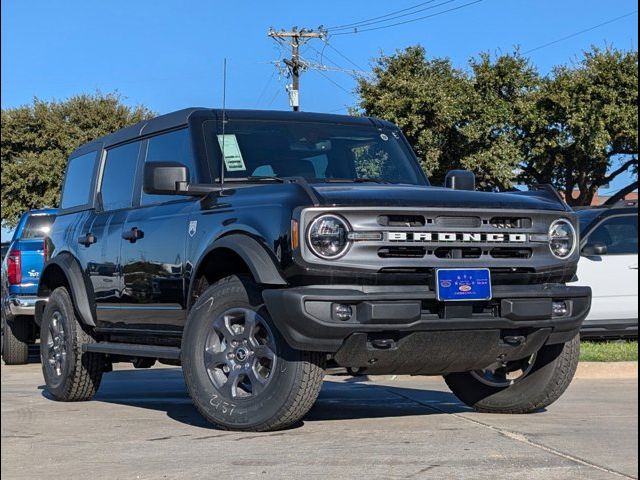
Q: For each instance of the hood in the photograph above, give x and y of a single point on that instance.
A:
(426, 196)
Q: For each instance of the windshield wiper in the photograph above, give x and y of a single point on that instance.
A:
(256, 179)
(353, 180)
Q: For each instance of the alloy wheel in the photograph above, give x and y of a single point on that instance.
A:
(239, 353)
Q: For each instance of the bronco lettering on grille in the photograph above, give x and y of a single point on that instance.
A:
(456, 237)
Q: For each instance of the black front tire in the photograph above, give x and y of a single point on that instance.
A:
(70, 374)
(15, 340)
(292, 384)
(550, 375)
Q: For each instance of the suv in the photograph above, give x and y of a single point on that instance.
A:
(258, 248)
(609, 265)
(21, 269)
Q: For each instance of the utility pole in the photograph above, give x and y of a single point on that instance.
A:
(296, 39)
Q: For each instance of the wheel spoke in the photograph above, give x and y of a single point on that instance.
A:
(250, 323)
(229, 389)
(55, 324)
(223, 326)
(264, 351)
(213, 359)
(258, 382)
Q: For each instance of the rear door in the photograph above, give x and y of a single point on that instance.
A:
(153, 257)
(613, 277)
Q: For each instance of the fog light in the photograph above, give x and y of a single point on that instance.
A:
(560, 309)
(342, 312)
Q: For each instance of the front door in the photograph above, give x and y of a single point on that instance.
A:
(153, 251)
(613, 277)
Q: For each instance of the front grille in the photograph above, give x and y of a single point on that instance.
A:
(510, 222)
(458, 222)
(402, 252)
(401, 221)
(458, 253)
(412, 240)
(511, 252)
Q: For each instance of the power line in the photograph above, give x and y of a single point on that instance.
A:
(412, 20)
(376, 18)
(343, 56)
(338, 67)
(580, 32)
(389, 16)
(266, 86)
(335, 83)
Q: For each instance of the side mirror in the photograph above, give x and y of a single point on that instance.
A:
(594, 249)
(161, 178)
(460, 180)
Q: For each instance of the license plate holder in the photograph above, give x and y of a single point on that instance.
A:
(463, 284)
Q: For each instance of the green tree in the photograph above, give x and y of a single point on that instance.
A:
(583, 133)
(38, 138)
(576, 128)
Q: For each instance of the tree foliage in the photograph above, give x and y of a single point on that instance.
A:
(576, 128)
(38, 138)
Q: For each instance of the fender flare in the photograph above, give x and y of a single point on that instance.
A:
(261, 263)
(80, 291)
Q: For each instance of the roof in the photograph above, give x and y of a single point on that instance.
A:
(181, 118)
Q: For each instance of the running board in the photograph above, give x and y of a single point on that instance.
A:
(133, 350)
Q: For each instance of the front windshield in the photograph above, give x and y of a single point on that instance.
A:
(319, 152)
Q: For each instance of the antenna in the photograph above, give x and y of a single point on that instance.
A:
(224, 122)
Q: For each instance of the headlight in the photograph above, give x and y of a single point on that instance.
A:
(327, 236)
(562, 239)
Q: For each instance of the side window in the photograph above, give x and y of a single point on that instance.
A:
(619, 234)
(119, 175)
(78, 181)
(170, 147)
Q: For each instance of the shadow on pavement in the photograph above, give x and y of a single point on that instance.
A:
(163, 389)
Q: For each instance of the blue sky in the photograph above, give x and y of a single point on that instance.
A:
(168, 54)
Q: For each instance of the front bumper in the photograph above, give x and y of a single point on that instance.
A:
(22, 304)
(306, 316)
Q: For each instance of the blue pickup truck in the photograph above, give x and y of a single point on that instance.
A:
(21, 268)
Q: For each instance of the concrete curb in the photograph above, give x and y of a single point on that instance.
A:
(586, 371)
(607, 370)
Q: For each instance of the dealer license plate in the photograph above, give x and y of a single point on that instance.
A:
(460, 284)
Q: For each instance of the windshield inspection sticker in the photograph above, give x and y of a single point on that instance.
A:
(232, 156)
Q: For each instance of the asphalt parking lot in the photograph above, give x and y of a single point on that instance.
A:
(142, 426)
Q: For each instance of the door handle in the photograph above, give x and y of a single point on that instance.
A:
(634, 266)
(133, 235)
(88, 239)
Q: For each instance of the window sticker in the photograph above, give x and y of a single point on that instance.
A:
(232, 156)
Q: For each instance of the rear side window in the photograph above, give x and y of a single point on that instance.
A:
(118, 176)
(37, 226)
(619, 234)
(170, 147)
(78, 182)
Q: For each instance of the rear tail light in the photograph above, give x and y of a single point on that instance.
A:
(14, 267)
(45, 249)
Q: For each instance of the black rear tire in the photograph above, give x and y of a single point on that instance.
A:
(549, 377)
(284, 394)
(15, 340)
(70, 374)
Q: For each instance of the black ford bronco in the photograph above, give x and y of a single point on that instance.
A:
(257, 249)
